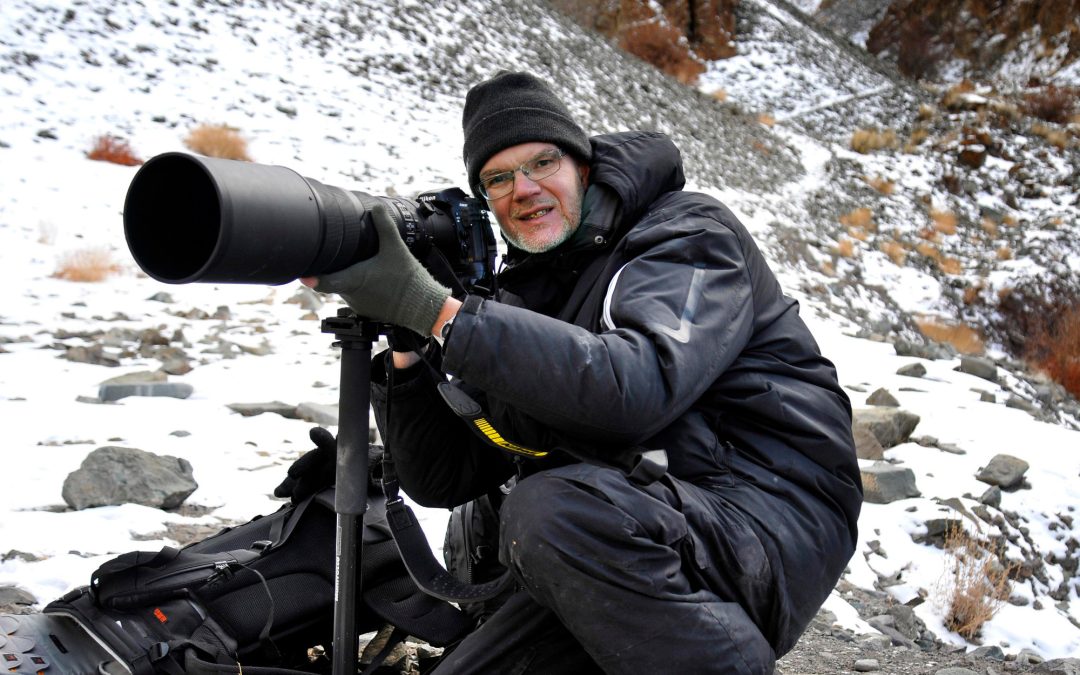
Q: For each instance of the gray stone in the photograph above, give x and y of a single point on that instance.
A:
(988, 653)
(953, 670)
(161, 296)
(140, 377)
(94, 354)
(891, 426)
(912, 370)
(979, 367)
(882, 397)
(987, 397)
(1018, 403)
(867, 665)
(992, 497)
(252, 409)
(905, 621)
(1005, 471)
(866, 443)
(872, 642)
(307, 299)
(318, 413)
(14, 600)
(885, 483)
(929, 351)
(1058, 667)
(113, 475)
(115, 392)
(1029, 657)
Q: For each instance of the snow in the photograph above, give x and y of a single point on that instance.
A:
(371, 134)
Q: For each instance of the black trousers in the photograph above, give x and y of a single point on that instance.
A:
(615, 579)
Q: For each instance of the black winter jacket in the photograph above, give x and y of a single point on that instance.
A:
(658, 325)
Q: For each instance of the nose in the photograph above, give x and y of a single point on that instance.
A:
(524, 186)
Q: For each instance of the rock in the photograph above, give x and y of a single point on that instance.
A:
(988, 653)
(938, 530)
(912, 370)
(140, 377)
(94, 354)
(161, 296)
(885, 483)
(882, 397)
(1058, 667)
(1005, 471)
(992, 497)
(113, 475)
(252, 409)
(1028, 657)
(955, 671)
(930, 351)
(115, 392)
(905, 621)
(866, 443)
(867, 666)
(891, 426)
(318, 413)
(987, 397)
(979, 367)
(14, 600)
(1018, 403)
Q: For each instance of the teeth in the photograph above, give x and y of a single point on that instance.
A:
(538, 214)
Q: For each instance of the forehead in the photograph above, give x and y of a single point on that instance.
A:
(512, 157)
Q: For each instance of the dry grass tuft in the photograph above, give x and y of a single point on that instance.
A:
(845, 248)
(881, 184)
(964, 339)
(975, 584)
(87, 264)
(767, 120)
(218, 141)
(1052, 103)
(943, 221)
(896, 251)
(720, 95)
(112, 149)
(862, 218)
(1058, 349)
(866, 141)
(1059, 138)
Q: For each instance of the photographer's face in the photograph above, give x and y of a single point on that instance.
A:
(538, 215)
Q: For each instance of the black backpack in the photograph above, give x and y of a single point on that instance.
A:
(254, 597)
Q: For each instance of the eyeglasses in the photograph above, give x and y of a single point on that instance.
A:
(538, 168)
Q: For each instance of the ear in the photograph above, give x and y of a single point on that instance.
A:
(583, 170)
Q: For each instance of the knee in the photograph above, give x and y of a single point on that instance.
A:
(547, 515)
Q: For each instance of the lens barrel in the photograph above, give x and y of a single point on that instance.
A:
(189, 218)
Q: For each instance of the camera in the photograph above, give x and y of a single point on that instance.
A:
(190, 218)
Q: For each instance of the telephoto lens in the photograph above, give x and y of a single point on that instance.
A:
(189, 219)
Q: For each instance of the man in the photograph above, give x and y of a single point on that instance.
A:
(632, 316)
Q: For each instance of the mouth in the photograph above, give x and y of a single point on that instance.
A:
(535, 214)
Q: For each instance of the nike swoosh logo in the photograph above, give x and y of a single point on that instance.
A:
(693, 296)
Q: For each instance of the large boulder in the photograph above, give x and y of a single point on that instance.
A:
(884, 483)
(891, 426)
(113, 475)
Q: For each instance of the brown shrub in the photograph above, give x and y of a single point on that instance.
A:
(664, 47)
(1055, 137)
(1040, 321)
(862, 218)
(1051, 103)
(845, 248)
(963, 338)
(989, 226)
(868, 140)
(944, 221)
(976, 583)
(896, 252)
(1059, 350)
(87, 264)
(949, 265)
(112, 149)
(881, 184)
(217, 141)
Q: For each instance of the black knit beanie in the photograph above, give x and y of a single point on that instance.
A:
(514, 108)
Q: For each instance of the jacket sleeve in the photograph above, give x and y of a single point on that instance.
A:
(439, 462)
(677, 315)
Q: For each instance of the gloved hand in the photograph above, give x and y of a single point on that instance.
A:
(314, 471)
(391, 286)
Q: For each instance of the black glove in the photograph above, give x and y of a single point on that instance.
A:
(314, 471)
(405, 340)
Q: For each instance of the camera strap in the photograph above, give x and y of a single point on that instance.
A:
(420, 562)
